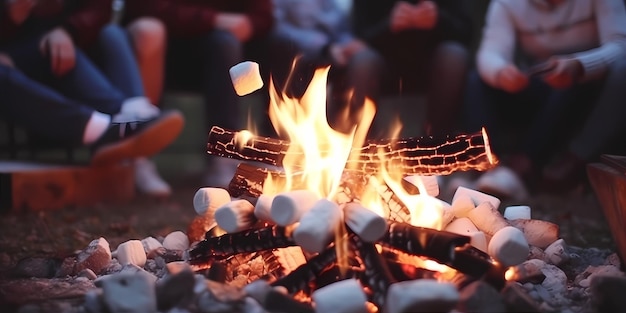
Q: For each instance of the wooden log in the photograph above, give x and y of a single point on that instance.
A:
(416, 155)
(608, 181)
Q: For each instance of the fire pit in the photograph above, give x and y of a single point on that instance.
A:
(321, 221)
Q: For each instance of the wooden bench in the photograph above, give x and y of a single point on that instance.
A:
(41, 175)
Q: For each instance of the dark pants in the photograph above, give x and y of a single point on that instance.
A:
(203, 63)
(85, 83)
(41, 109)
(540, 121)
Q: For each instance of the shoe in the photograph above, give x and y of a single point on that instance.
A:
(137, 108)
(148, 180)
(130, 140)
(564, 174)
(502, 182)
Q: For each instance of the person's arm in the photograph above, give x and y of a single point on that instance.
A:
(498, 43)
(88, 19)
(611, 19)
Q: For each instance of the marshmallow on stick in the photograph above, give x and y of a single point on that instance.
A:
(246, 77)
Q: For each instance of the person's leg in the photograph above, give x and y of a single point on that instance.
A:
(40, 109)
(116, 58)
(363, 77)
(221, 50)
(448, 72)
(605, 122)
(85, 83)
(148, 37)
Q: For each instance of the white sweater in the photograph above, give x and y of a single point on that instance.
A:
(592, 31)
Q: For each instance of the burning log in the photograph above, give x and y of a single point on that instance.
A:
(376, 274)
(301, 278)
(253, 240)
(416, 155)
(434, 244)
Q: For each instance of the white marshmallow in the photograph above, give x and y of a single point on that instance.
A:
(509, 246)
(421, 295)
(150, 244)
(176, 240)
(476, 196)
(364, 222)
(317, 226)
(131, 252)
(246, 77)
(487, 218)
(345, 296)
(263, 207)
(516, 212)
(235, 216)
(208, 199)
(464, 226)
(288, 207)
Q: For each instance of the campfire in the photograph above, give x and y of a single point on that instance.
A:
(357, 219)
(317, 220)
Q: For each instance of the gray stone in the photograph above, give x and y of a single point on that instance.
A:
(480, 297)
(175, 289)
(93, 301)
(129, 293)
(607, 293)
(517, 300)
(96, 256)
(36, 267)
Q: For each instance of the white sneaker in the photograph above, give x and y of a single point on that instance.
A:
(502, 181)
(148, 180)
(136, 108)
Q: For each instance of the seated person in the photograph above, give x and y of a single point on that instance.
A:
(425, 47)
(574, 73)
(56, 43)
(47, 113)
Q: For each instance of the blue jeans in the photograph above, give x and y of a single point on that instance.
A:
(85, 83)
(113, 54)
(41, 109)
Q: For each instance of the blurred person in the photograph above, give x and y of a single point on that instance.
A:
(209, 37)
(317, 33)
(46, 112)
(554, 70)
(204, 40)
(425, 47)
(56, 42)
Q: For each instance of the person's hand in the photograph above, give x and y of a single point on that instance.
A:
(401, 18)
(237, 24)
(59, 47)
(511, 79)
(564, 72)
(19, 10)
(5, 59)
(425, 15)
(342, 53)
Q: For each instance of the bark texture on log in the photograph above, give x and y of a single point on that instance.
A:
(416, 155)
